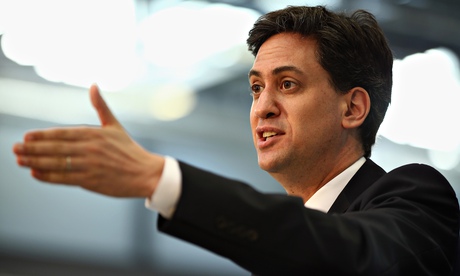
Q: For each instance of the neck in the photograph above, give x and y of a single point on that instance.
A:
(306, 181)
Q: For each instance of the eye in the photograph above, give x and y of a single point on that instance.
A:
(256, 89)
(288, 84)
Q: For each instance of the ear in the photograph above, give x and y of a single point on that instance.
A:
(358, 107)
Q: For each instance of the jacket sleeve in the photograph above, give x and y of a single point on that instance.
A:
(404, 224)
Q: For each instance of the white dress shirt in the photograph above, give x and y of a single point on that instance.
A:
(167, 193)
(323, 199)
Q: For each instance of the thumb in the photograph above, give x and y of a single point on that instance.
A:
(105, 115)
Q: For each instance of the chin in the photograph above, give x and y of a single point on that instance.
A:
(266, 165)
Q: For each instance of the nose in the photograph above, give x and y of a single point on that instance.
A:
(266, 105)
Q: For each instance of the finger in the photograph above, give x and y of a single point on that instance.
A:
(105, 115)
(46, 147)
(79, 179)
(66, 177)
(47, 163)
(66, 133)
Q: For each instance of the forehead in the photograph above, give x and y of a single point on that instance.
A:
(287, 49)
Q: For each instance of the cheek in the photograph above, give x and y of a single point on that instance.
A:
(312, 118)
(252, 122)
(327, 118)
(252, 117)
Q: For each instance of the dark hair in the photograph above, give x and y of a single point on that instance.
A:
(352, 49)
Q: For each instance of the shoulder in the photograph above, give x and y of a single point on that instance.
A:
(418, 176)
(418, 170)
(419, 188)
(415, 174)
(371, 186)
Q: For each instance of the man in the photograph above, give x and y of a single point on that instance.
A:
(321, 84)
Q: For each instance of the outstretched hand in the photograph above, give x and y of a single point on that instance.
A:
(102, 159)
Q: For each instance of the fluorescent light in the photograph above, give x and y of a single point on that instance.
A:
(69, 105)
(445, 160)
(172, 101)
(190, 33)
(75, 42)
(425, 107)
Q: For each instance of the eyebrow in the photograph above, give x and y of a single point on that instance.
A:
(277, 70)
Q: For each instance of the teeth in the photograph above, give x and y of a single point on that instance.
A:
(268, 134)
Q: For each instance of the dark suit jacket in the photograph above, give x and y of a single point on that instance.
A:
(404, 222)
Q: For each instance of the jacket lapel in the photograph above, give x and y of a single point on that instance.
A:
(364, 177)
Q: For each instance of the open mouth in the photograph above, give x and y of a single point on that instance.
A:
(268, 134)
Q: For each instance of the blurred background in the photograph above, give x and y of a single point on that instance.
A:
(175, 74)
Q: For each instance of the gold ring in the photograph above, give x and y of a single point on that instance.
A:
(68, 163)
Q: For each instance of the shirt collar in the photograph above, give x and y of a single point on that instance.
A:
(323, 199)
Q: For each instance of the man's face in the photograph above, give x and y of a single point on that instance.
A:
(296, 114)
